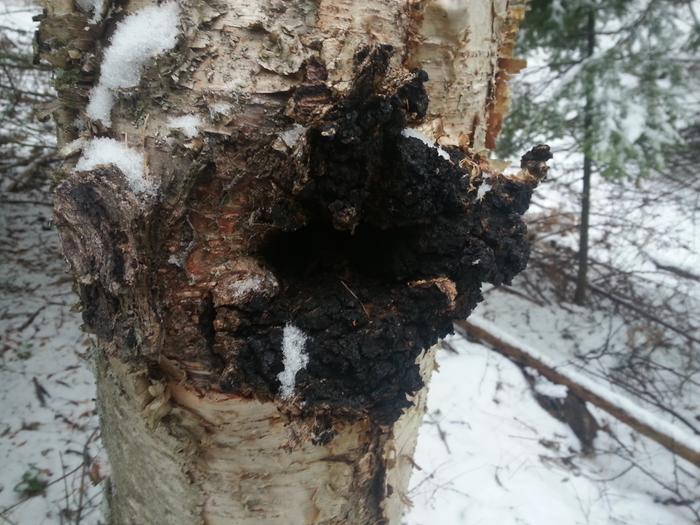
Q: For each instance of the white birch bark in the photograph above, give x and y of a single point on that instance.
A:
(182, 451)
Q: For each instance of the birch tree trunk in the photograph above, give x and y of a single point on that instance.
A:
(264, 251)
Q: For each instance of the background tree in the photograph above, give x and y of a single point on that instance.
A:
(266, 247)
(27, 146)
(613, 80)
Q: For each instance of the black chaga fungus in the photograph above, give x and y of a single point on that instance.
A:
(363, 237)
(395, 242)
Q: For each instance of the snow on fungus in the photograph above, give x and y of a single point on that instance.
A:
(140, 37)
(130, 162)
(293, 358)
(188, 124)
(414, 133)
(483, 189)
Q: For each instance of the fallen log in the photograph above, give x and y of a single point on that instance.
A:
(672, 438)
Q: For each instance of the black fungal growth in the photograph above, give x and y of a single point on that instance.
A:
(305, 206)
(368, 241)
(385, 245)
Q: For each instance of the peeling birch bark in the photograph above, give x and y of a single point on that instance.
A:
(182, 458)
(280, 189)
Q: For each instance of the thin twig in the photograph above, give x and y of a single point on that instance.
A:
(356, 297)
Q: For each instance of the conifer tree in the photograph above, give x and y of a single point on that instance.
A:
(611, 80)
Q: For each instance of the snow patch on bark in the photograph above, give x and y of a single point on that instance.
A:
(138, 38)
(99, 107)
(220, 108)
(101, 151)
(94, 7)
(239, 289)
(294, 358)
(414, 133)
(453, 5)
(188, 124)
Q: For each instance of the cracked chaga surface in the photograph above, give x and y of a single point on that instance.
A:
(369, 242)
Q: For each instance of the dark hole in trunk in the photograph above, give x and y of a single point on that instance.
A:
(318, 248)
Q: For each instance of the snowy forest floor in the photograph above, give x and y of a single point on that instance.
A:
(488, 452)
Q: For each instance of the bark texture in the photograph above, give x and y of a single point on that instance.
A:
(183, 458)
(299, 200)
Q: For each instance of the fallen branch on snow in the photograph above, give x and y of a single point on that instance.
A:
(665, 434)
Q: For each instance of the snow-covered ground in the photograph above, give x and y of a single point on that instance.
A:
(489, 454)
(48, 425)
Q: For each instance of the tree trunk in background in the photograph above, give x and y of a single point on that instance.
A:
(582, 273)
(263, 253)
